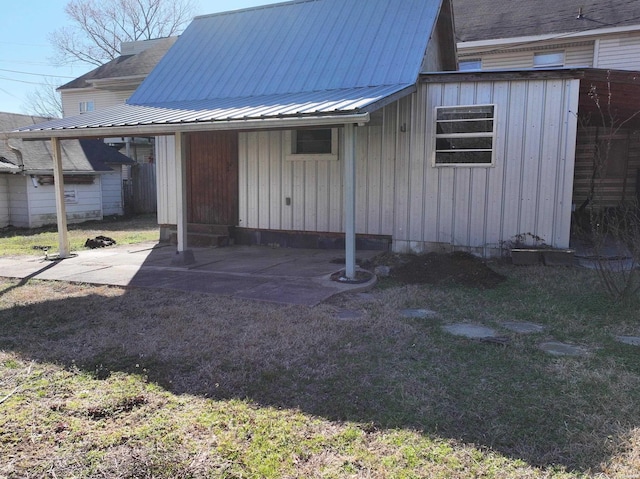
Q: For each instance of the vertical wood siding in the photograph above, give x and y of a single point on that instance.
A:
(400, 193)
(212, 175)
(611, 189)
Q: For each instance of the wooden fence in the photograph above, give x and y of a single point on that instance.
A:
(140, 195)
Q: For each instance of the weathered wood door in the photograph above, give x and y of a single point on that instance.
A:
(212, 173)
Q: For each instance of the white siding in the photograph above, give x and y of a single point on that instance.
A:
(619, 52)
(42, 203)
(400, 193)
(576, 55)
(101, 98)
(112, 193)
(166, 179)
(4, 201)
(18, 201)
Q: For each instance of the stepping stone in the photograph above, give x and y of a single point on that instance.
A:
(348, 315)
(418, 313)
(557, 348)
(523, 328)
(632, 340)
(470, 331)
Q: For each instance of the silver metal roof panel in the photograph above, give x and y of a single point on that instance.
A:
(301, 46)
(334, 102)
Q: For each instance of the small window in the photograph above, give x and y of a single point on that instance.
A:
(470, 65)
(548, 60)
(86, 106)
(313, 144)
(464, 135)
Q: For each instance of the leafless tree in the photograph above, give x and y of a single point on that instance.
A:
(44, 101)
(100, 26)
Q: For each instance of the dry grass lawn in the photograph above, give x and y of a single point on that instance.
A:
(109, 382)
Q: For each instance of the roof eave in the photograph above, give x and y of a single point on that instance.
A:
(163, 129)
(496, 42)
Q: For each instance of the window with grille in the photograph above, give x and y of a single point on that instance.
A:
(465, 135)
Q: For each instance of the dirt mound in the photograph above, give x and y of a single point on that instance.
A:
(434, 268)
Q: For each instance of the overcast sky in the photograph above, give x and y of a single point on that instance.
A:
(26, 55)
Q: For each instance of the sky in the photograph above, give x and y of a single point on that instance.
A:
(26, 56)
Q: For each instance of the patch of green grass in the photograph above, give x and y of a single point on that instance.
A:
(109, 382)
(21, 241)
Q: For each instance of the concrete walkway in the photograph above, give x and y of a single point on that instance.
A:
(279, 275)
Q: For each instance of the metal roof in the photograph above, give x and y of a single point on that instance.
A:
(344, 102)
(300, 46)
(300, 59)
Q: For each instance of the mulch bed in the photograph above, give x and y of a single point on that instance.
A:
(435, 268)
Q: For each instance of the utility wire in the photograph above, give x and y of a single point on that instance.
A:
(35, 74)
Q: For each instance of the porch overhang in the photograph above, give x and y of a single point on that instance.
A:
(267, 112)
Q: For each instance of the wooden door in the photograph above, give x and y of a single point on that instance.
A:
(212, 175)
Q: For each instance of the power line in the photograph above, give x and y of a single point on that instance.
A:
(35, 74)
(24, 81)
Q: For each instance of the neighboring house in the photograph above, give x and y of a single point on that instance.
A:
(516, 34)
(93, 182)
(317, 122)
(112, 84)
(521, 34)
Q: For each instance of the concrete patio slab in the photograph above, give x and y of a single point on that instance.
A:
(279, 275)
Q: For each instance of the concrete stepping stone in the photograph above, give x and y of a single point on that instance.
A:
(472, 331)
(418, 313)
(522, 327)
(557, 348)
(348, 315)
(631, 340)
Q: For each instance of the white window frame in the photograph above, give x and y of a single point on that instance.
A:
(86, 106)
(549, 59)
(491, 134)
(476, 62)
(290, 142)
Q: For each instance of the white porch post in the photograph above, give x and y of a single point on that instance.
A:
(350, 199)
(183, 255)
(61, 211)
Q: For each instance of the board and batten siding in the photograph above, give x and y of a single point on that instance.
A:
(4, 201)
(400, 193)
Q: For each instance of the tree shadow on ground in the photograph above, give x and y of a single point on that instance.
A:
(382, 369)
